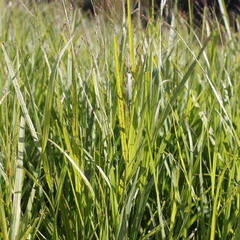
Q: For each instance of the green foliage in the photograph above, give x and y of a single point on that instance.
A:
(111, 131)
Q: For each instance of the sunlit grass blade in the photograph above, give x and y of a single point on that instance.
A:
(225, 16)
(130, 35)
(20, 96)
(153, 232)
(216, 205)
(120, 100)
(77, 168)
(3, 219)
(18, 182)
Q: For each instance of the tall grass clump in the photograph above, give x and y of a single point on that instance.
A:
(113, 131)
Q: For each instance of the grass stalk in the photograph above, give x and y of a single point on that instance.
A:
(130, 35)
(18, 183)
(225, 16)
(3, 219)
(120, 100)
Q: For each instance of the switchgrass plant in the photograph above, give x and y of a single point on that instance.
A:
(113, 132)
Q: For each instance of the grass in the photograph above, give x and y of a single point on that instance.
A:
(111, 131)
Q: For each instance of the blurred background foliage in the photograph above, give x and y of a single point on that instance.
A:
(193, 10)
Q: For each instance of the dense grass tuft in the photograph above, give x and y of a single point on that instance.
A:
(111, 131)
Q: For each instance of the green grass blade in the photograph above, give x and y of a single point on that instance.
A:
(121, 115)
(130, 35)
(216, 205)
(20, 96)
(225, 16)
(18, 183)
(50, 96)
(3, 219)
(77, 168)
(178, 89)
